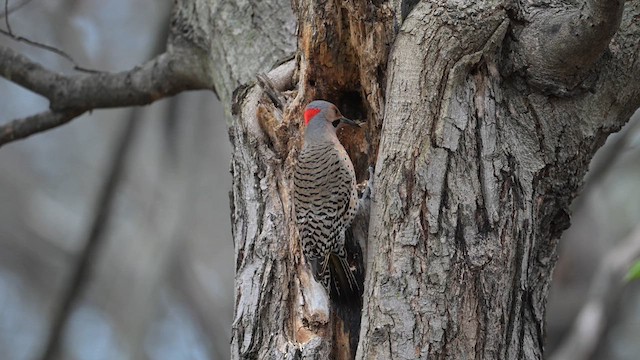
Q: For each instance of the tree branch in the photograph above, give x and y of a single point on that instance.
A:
(46, 47)
(22, 128)
(19, 69)
(8, 10)
(71, 95)
(165, 75)
(605, 160)
(559, 46)
(82, 270)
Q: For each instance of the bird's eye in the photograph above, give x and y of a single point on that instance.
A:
(335, 123)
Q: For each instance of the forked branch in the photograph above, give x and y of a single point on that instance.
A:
(71, 95)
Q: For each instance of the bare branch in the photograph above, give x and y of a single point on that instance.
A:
(165, 75)
(6, 18)
(9, 33)
(560, 45)
(83, 269)
(605, 289)
(15, 7)
(71, 95)
(47, 48)
(22, 128)
(21, 70)
(608, 155)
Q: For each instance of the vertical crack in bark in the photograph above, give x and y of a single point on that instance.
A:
(341, 60)
(344, 48)
(539, 129)
(482, 312)
(478, 105)
(515, 305)
(444, 193)
(460, 238)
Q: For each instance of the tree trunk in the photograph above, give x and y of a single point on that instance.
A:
(481, 128)
(481, 120)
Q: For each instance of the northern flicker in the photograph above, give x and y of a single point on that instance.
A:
(325, 197)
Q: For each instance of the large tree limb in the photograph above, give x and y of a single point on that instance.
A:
(559, 46)
(71, 95)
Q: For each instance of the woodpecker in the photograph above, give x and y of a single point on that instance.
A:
(325, 197)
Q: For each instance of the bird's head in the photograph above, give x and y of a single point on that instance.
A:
(319, 112)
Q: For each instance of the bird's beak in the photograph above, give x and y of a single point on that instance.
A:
(344, 120)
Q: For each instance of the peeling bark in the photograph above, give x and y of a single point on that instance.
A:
(342, 59)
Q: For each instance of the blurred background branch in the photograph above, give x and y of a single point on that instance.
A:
(14, 7)
(82, 271)
(605, 290)
(102, 278)
(166, 75)
(592, 312)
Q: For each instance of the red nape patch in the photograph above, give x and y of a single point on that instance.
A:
(309, 114)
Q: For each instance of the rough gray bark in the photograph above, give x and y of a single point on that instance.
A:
(473, 182)
(477, 166)
(280, 311)
(241, 38)
(559, 45)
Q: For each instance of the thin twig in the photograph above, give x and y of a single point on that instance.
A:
(46, 47)
(6, 18)
(11, 9)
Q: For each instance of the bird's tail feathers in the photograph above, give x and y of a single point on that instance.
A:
(342, 279)
(336, 276)
(318, 269)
